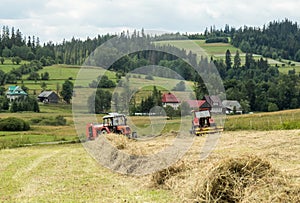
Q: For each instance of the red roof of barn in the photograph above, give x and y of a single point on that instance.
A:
(169, 98)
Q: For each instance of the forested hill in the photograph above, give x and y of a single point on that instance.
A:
(278, 40)
(255, 83)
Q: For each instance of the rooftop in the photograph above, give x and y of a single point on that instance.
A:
(169, 98)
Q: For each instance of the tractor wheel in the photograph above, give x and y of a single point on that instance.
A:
(103, 132)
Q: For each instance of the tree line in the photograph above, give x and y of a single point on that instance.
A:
(258, 85)
(278, 40)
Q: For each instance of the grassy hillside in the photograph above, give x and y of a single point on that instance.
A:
(218, 50)
(8, 65)
(60, 73)
(289, 119)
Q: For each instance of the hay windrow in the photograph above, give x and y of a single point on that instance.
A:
(159, 178)
(243, 180)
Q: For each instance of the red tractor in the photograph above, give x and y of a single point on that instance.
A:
(112, 123)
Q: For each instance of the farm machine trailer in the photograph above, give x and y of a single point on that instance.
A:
(112, 123)
(203, 123)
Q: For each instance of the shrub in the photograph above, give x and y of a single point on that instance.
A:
(290, 125)
(217, 39)
(149, 77)
(25, 104)
(13, 124)
(52, 121)
(60, 120)
(179, 86)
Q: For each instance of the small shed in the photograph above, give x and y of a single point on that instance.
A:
(48, 97)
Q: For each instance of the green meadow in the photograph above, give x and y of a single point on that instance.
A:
(218, 50)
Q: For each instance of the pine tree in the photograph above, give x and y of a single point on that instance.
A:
(36, 107)
(237, 60)
(5, 105)
(67, 91)
(249, 60)
(228, 61)
(14, 107)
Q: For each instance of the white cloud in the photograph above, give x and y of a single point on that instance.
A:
(58, 19)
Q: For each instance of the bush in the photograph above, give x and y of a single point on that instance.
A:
(179, 86)
(149, 77)
(52, 121)
(25, 104)
(272, 107)
(33, 76)
(290, 125)
(13, 124)
(217, 39)
(60, 120)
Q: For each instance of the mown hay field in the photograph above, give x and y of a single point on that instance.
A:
(66, 173)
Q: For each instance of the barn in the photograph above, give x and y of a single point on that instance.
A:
(48, 97)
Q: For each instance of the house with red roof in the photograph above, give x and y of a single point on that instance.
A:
(201, 105)
(169, 99)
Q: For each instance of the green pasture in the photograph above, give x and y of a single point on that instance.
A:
(64, 72)
(281, 120)
(58, 74)
(285, 70)
(7, 66)
(218, 50)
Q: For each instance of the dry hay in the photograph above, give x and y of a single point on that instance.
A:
(159, 178)
(141, 147)
(245, 179)
(119, 141)
(230, 174)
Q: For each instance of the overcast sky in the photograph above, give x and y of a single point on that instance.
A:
(58, 19)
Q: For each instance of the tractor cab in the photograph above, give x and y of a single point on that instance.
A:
(112, 123)
(116, 123)
(114, 119)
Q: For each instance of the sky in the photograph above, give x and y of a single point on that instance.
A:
(55, 20)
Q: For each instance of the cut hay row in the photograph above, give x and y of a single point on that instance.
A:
(245, 167)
